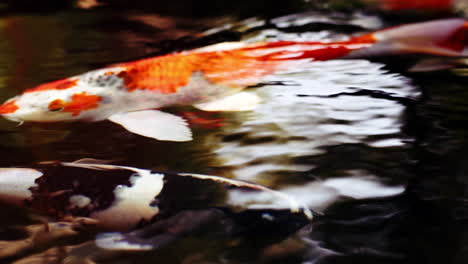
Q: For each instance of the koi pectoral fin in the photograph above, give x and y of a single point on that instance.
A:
(154, 124)
(243, 101)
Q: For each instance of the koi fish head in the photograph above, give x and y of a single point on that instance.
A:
(51, 105)
(75, 98)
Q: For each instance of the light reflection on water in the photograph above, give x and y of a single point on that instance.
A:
(323, 109)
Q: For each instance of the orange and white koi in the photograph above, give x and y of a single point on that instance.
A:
(209, 78)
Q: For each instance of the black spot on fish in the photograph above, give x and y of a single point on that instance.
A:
(54, 189)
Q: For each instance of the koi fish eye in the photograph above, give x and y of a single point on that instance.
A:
(56, 105)
(51, 106)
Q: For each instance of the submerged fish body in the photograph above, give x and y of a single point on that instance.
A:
(120, 198)
(209, 78)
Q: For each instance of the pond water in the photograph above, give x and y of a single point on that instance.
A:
(376, 150)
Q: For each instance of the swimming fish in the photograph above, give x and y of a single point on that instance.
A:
(121, 198)
(210, 78)
(398, 5)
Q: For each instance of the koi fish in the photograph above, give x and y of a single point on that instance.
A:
(121, 198)
(210, 78)
(397, 5)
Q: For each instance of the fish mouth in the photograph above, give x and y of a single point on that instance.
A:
(8, 107)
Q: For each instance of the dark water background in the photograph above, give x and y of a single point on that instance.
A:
(379, 150)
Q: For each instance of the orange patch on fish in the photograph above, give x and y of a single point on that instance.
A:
(232, 68)
(169, 73)
(57, 85)
(164, 75)
(8, 108)
(237, 68)
(81, 102)
(368, 38)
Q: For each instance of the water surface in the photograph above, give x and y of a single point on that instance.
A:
(379, 151)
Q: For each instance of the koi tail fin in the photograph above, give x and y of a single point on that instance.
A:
(447, 37)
